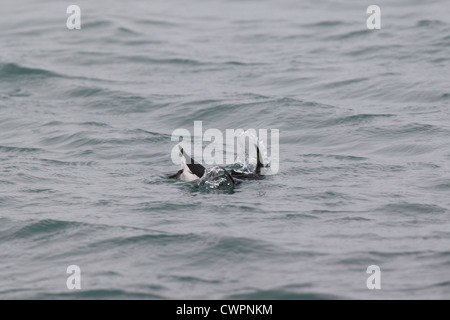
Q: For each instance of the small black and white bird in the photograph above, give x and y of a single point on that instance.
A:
(191, 170)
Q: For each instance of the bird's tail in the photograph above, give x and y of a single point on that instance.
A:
(259, 163)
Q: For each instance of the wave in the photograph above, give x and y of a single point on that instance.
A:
(11, 149)
(350, 35)
(97, 24)
(33, 229)
(405, 149)
(336, 157)
(10, 71)
(95, 294)
(280, 294)
(91, 138)
(162, 239)
(155, 22)
(127, 31)
(343, 83)
(161, 61)
(430, 23)
(407, 208)
(353, 119)
(407, 131)
(442, 186)
(87, 124)
(325, 24)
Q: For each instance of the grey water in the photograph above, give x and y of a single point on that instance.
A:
(86, 119)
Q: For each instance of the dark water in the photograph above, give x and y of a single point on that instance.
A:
(86, 119)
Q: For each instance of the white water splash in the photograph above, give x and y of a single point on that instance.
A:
(247, 156)
(215, 178)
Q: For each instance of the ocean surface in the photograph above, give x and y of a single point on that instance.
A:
(86, 119)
